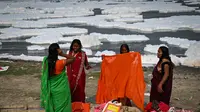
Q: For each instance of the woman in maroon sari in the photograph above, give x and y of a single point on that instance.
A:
(161, 83)
(76, 71)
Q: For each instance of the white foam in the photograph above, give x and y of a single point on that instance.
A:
(151, 60)
(86, 40)
(105, 52)
(103, 21)
(174, 23)
(192, 51)
(191, 2)
(193, 55)
(150, 25)
(176, 60)
(129, 20)
(191, 62)
(122, 12)
(18, 33)
(95, 59)
(87, 51)
(35, 47)
(0, 43)
(139, 7)
(119, 10)
(120, 38)
(29, 24)
(153, 48)
(5, 23)
(46, 38)
(22, 57)
(40, 58)
(125, 16)
(183, 43)
(62, 9)
(147, 60)
(66, 45)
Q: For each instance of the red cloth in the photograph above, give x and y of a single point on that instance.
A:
(72, 71)
(163, 107)
(80, 107)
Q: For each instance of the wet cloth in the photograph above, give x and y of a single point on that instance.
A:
(121, 76)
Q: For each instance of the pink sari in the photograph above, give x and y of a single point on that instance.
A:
(76, 75)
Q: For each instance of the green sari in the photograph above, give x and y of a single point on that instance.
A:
(55, 93)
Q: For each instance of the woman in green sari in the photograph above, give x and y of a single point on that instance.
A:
(55, 92)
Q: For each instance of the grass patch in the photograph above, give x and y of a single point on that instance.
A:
(21, 68)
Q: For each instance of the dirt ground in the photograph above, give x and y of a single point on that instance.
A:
(20, 85)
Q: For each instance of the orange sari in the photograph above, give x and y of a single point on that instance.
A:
(122, 76)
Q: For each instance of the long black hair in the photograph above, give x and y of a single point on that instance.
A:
(52, 57)
(76, 41)
(165, 53)
(124, 45)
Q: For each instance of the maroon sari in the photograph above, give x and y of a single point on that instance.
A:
(167, 86)
(76, 76)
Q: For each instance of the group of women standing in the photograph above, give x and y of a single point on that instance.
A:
(63, 81)
(61, 87)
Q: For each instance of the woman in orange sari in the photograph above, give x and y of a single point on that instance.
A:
(76, 71)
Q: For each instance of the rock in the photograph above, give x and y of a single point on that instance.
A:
(150, 75)
(191, 98)
(91, 77)
(29, 99)
(37, 98)
(177, 98)
(26, 107)
(124, 109)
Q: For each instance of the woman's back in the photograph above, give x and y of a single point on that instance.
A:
(59, 66)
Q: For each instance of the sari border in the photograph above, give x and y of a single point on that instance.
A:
(80, 71)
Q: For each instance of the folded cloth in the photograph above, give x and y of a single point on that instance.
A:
(3, 68)
(99, 108)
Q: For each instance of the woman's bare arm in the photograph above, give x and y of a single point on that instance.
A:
(166, 74)
(160, 85)
(60, 53)
(69, 61)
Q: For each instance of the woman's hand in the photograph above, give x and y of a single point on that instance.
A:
(70, 56)
(88, 67)
(102, 56)
(160, 90)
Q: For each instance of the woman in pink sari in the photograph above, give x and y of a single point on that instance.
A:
(76, 71)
